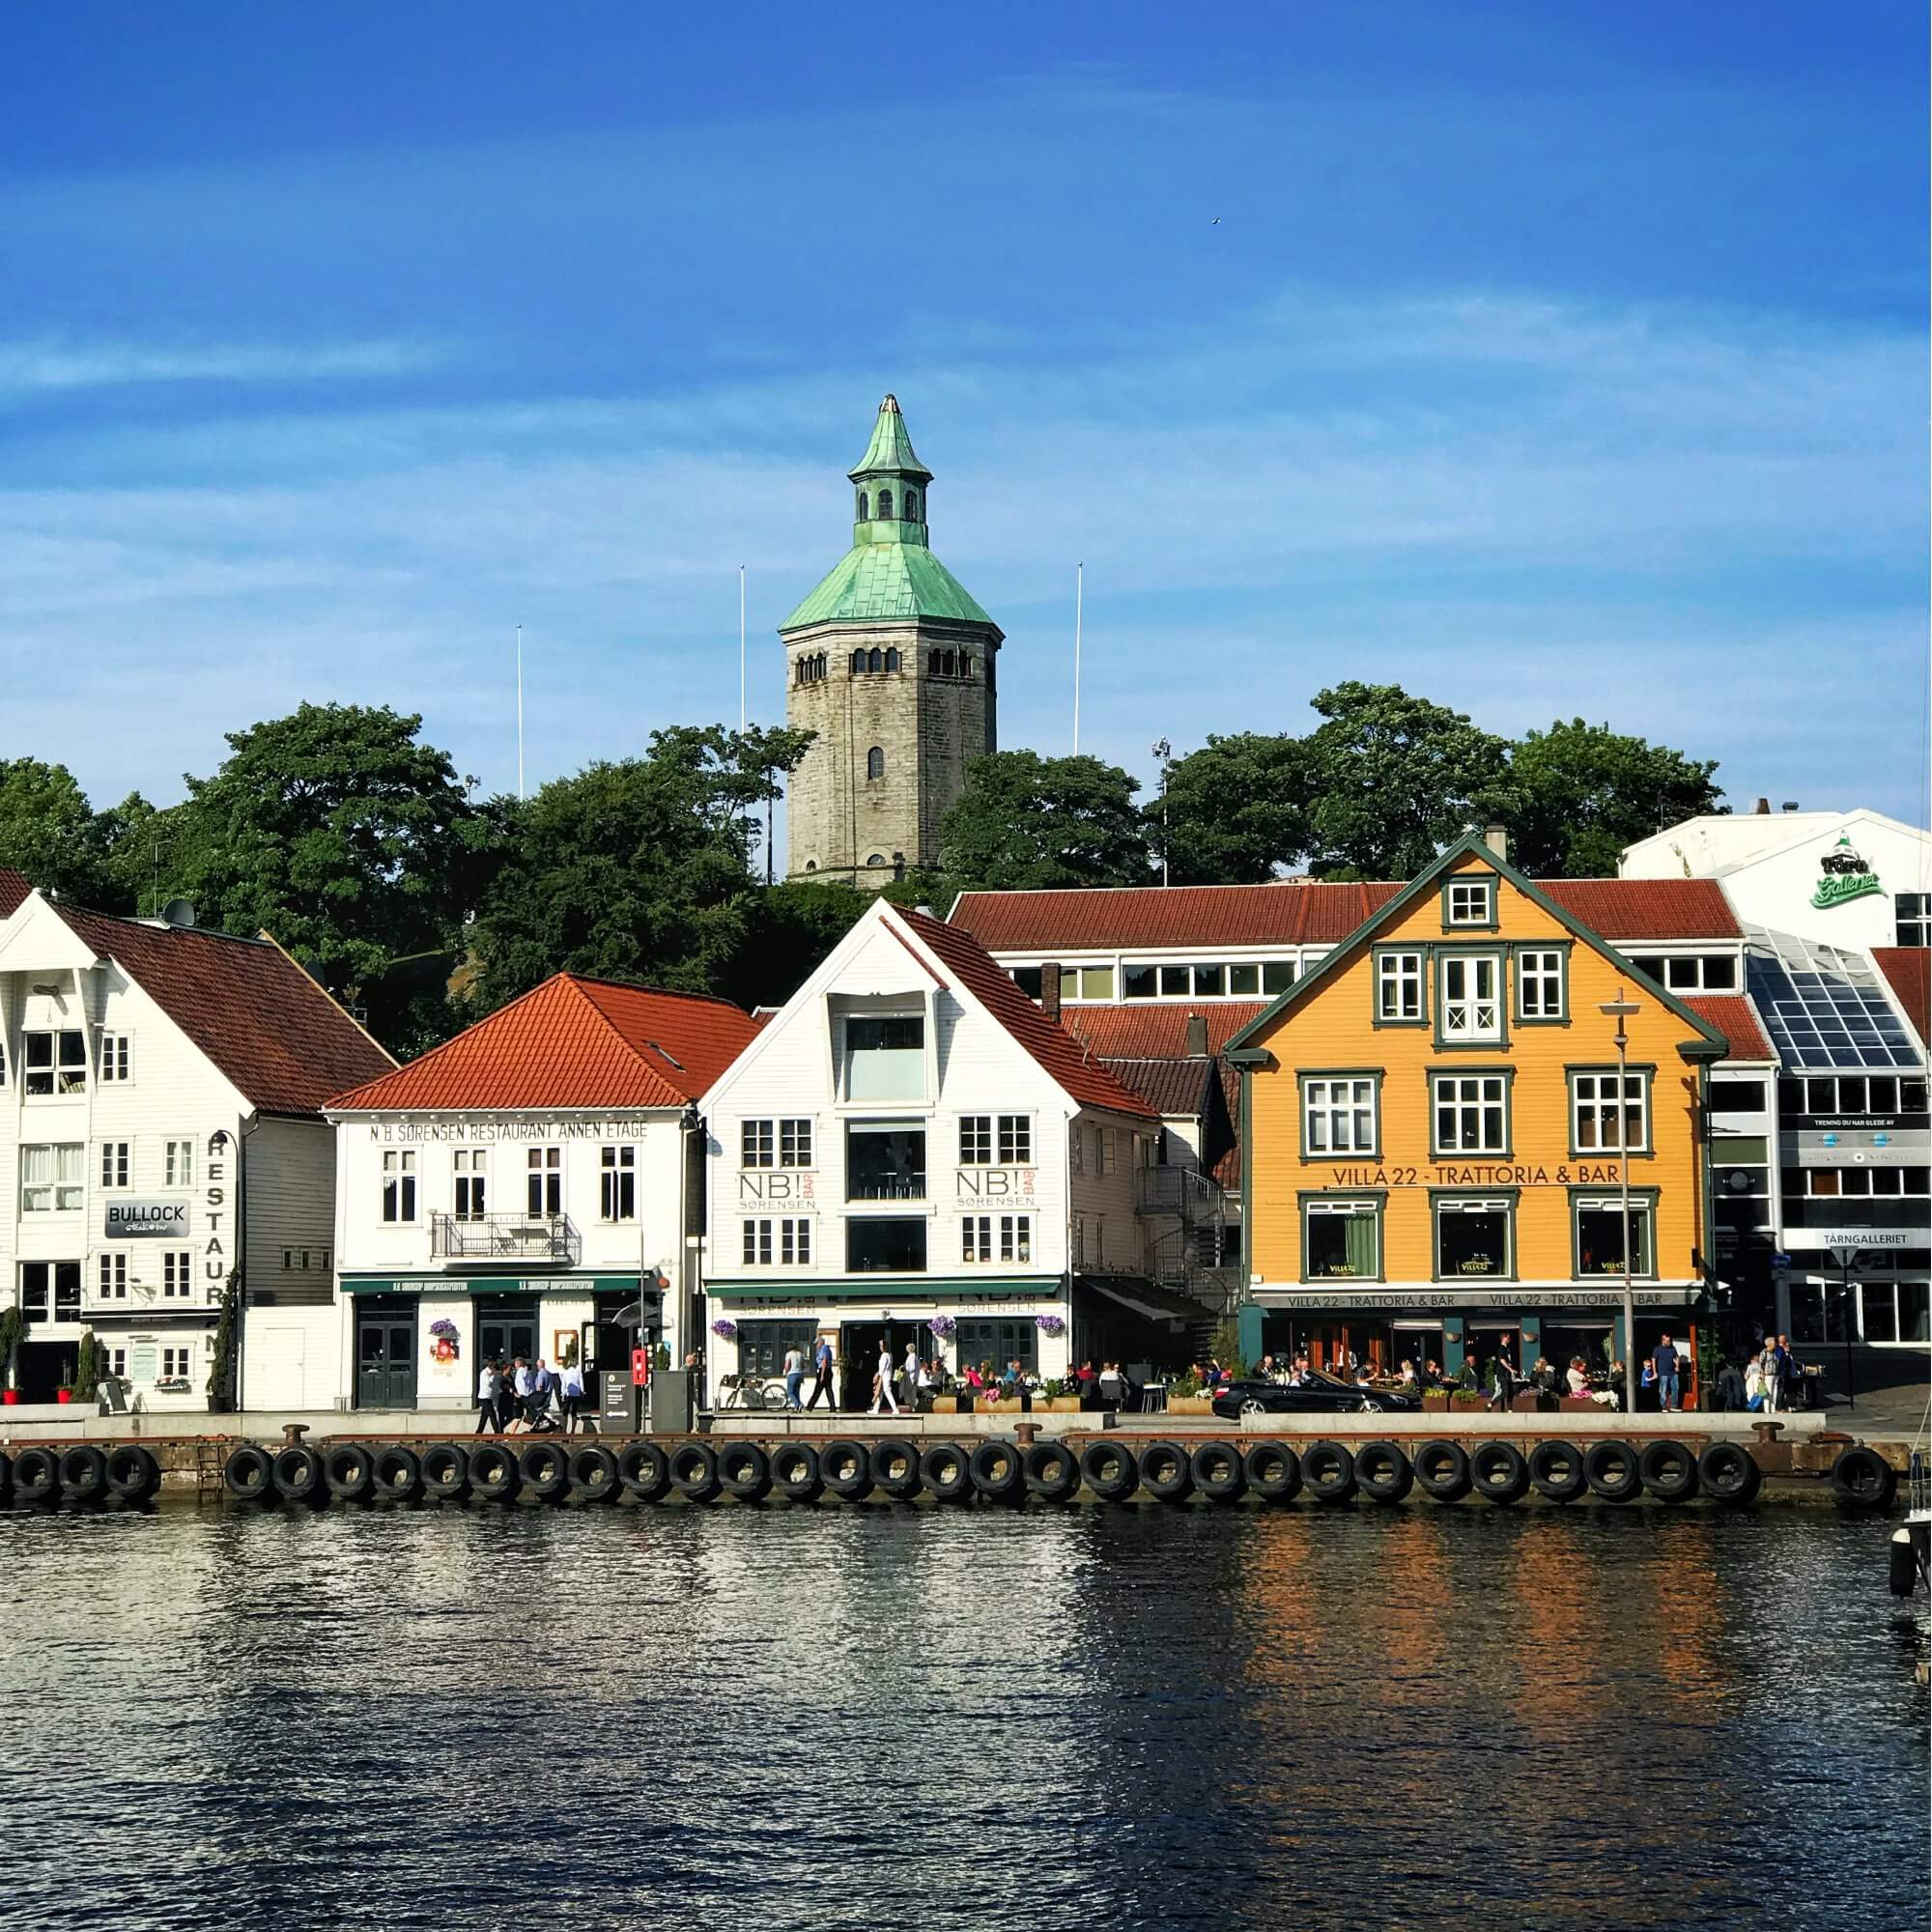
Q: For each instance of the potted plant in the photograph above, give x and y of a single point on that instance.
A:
(1059, 1396)
(1186, 1397)
(87, 1369)
(13, 1326)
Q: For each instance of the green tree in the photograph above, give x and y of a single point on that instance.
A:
(48, 831)
(1585, 793)
(149, 853)
(1236, 810)
(633, 869)
(1393, 780)
(358, 847)
(1025, 821)
(788, 930)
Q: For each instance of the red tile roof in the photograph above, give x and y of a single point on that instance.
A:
(1078, 1072)
(1305, 912)
(1909, 968)
(571, 1042)
(13, 889)
(1737, 1019)
(283, 1041)
(1157, 1030)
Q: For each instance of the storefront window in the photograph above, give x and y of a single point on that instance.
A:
(1600, 1238)
(998, 1342)
(762, 1345)
(1915, 1311)
(885, 1163)
(1472, 1238)
(885, 1246)
(1343, 1238)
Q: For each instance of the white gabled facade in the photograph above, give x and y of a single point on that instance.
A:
(885, 1153)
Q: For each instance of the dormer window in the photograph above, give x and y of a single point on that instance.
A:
(865, 515)
(885, 506)
(55, 1062)
(1470, 903)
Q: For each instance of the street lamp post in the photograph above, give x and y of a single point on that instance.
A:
(1845, 1258)
(1620, 1009)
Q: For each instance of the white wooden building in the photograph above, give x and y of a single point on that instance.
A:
(910, 1152)
(160, 1135)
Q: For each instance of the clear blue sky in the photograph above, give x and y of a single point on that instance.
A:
(1548, 359)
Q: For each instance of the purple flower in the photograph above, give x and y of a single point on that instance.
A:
(941, 1324)
(1050, 1324)
(725, 1329)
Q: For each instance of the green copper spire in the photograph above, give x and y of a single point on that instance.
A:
(889, 574)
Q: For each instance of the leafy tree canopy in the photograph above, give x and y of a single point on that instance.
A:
(1585, 793)
(1026, 822)
(50, 831)
(1236, 810)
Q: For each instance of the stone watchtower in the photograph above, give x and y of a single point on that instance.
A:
(891, 663)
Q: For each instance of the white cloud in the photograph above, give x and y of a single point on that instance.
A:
(48, 364)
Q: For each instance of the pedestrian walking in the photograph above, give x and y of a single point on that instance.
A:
(519, 1390)
(909, 1377)
(821, 1373)
(882, 1385)
(489, 1388)
(573, 1398)
(794, 1375)
(1666, 1359)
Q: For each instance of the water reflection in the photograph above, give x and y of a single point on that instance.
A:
(958, 1719)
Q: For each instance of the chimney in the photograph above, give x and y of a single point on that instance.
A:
(1497, 838)
(1762, 808)
(1049, 990)
(1197, 1035)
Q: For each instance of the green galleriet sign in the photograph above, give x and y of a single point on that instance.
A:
(1845, 876)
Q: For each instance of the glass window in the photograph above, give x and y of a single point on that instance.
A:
(177, 1276)
(54, 1061)
(787, 1241)
(117, 1058)
(875, 762)
(757, 1144)
(1211, 981)
(1821, 1096)
(1470, 1007)
(1096, 982)
(994, 1343)
(114, 1277)
(115, 1163)
(1245, 981)
(1109, 1145)
(763, 1345)
(179, 1164)
(1681, 974)
(1343, 1238)
(1472, 1238)
(1913, 1314)
(1913, 913)
(1176, 982)
(472, 1180)
(1399, 986)
(618, 1182)
(885, 1057)
(1538, 984)
(545, 1175)
(1469, 900)
(1139, 982)
(1721, 973)
(795, 1142)
(885, 1163)
(1600, 1237)
(51, 1179)
(1026, 980)
(1015, 1140)
(1471, 1113)
(1277, 975)
(399, 1184)
(1737, 1096)
(882, 1246)
(1339, 1115)
(1878, 1311)
(975, 1140)
(1594, 1114)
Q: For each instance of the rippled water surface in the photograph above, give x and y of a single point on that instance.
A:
(901, 1716)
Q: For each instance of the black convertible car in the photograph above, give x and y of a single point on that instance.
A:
(1318, 1395)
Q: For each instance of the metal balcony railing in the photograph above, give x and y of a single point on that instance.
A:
(1178, 1190)
(504, 1238)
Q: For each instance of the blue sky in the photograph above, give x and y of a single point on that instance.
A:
(1545, 360)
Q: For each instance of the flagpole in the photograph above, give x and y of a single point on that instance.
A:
(1079, 589)
(520, 711)
(741, 648)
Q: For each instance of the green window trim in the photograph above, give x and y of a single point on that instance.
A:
(1303, 1076)
(1646, 1071)
(1486, 880)
(1379, 1197)
(1507, 1074)
(1560, 947)
(1376, 953)
(1438, 964)
(1438, 1196)
(1641, 1198)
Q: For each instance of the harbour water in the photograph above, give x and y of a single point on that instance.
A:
(866, 1718)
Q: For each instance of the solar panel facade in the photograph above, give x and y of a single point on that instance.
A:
(1824, 1006)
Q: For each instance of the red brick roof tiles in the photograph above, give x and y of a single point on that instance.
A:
(1909, 969)
(571, 1042)
(13, 890)
(1305, 912)
(1157, 1030)
(1737, 1019)
(1070, 1063)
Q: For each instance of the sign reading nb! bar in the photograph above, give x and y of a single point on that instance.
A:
(129, 1219)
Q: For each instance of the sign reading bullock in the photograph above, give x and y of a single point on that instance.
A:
(132, 1219)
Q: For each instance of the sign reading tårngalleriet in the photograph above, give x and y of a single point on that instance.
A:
(136, 1218)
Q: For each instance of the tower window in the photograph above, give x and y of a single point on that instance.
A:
(863, 513)
(910, 507)
(858, 659)
(811, 864)
(876, 659)
(875, 859)
(948, 663)
(892, 660)
(885, 504)
(875, 763)
(932, 664)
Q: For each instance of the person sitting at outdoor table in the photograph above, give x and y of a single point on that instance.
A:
(1578, 1377)
(1112, 1385)
(1545, 1377)
(974, 1379)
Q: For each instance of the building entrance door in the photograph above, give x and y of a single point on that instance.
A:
(506, 1327)
(386, 1361)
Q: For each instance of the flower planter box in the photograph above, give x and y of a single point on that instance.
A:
(63, 1395)
(10, 1398)
(1059, 1405)
(1532, 1401)
(1438, 1403)
(1190, 1404)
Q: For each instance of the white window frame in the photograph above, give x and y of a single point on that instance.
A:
(117, 1058)
(758, 1142)
(1541, 968)
(1110, 1157)
(176, 1362)
(1332, 1107)
(1399, 974)
(618, 1182)
(179, 1168)
(177, 1274)
(64, 1076)
(795, 1139)
(975, 1140)
(470, 1194)
(64, 1183)
(1643, 1230)
(1470, 903)
(1016, 1239)
(112, 1285)
(116, 1166)
(1459, 1017)
(399, 1187)
(976, 1239)
(1452, 1092)
(1602, 1100)
(1014, 1132)
(543, 1178)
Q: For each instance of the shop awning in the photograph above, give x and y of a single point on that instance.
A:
(892, 1288)
(1425, 1298)
(1147, 1298)
(573, 1285)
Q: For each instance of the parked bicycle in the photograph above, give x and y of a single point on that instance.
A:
(750, 1392)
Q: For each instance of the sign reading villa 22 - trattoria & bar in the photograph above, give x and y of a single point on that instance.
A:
(1481, 1174)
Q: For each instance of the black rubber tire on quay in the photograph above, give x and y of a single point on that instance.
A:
(999, 1474)
(1329, 1472)
(350, 1471)
(795, 1472)
(1556, 1472)
(6, 1476)
(593, 1475)
(1861, 1479)
(1443, 1468)
(693, 1472)
(1110, 1471)
(894, 1466)
(947, 1471)
(1218, 1472)
(1052, 1472)
(133, 1476)
(644, 1471)
(1273, 1472)
(494, 1475)
(1669, 1471)
(36, 1475)
(445, 1470)
(1612, 1472)
(745, 1470)
(249, 1475)
(1500, 1472)
(1385, 1473)
(1730, 1475)
(399, 1474)
(1166, 1472)
(299, 1475)
(83, 1472)
(846, 1469)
